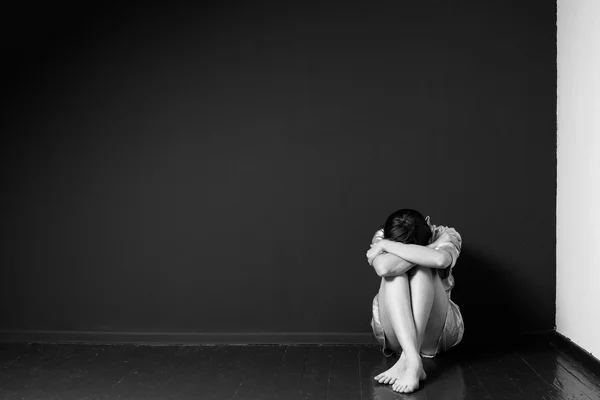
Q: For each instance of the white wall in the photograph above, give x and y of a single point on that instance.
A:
(578, 175)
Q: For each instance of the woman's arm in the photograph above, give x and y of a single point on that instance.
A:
(425, 256)
(388, 264)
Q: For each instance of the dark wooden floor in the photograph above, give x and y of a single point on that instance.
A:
(68, 371)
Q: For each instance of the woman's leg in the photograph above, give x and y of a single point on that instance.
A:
(429, 304)
(413, 309)
(428, 298)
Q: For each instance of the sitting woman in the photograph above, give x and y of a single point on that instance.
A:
(412, 313)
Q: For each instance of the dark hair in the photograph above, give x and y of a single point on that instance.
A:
(407, 226)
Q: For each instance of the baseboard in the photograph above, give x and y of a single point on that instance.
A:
(539, 333)
(215, 338)
(586, 358)
(185, 338)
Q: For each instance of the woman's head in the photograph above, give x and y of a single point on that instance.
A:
(407, 226)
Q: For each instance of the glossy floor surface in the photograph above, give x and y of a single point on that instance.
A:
(540, 370)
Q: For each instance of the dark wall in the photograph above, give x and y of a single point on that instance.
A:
(224, 168)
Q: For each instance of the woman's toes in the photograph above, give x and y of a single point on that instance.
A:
(403, 389)
(408, 383)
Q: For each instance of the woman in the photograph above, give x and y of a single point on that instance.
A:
(413, 313)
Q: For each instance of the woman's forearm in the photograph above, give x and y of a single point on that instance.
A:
(391, 265)
(420, 255)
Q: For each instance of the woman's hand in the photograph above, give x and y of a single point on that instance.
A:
(375, 250)
(444, 237)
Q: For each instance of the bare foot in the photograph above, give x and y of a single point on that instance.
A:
(397, 370)
(409, 382)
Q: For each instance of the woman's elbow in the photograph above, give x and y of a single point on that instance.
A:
(380, 271)
(380, 268)
(443, 261)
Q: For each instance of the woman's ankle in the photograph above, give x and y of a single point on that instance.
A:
(413, 360)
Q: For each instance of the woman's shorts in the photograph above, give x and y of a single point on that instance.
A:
(452, 333)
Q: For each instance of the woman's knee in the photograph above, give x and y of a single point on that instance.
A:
(418, 270)
(396, 278)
